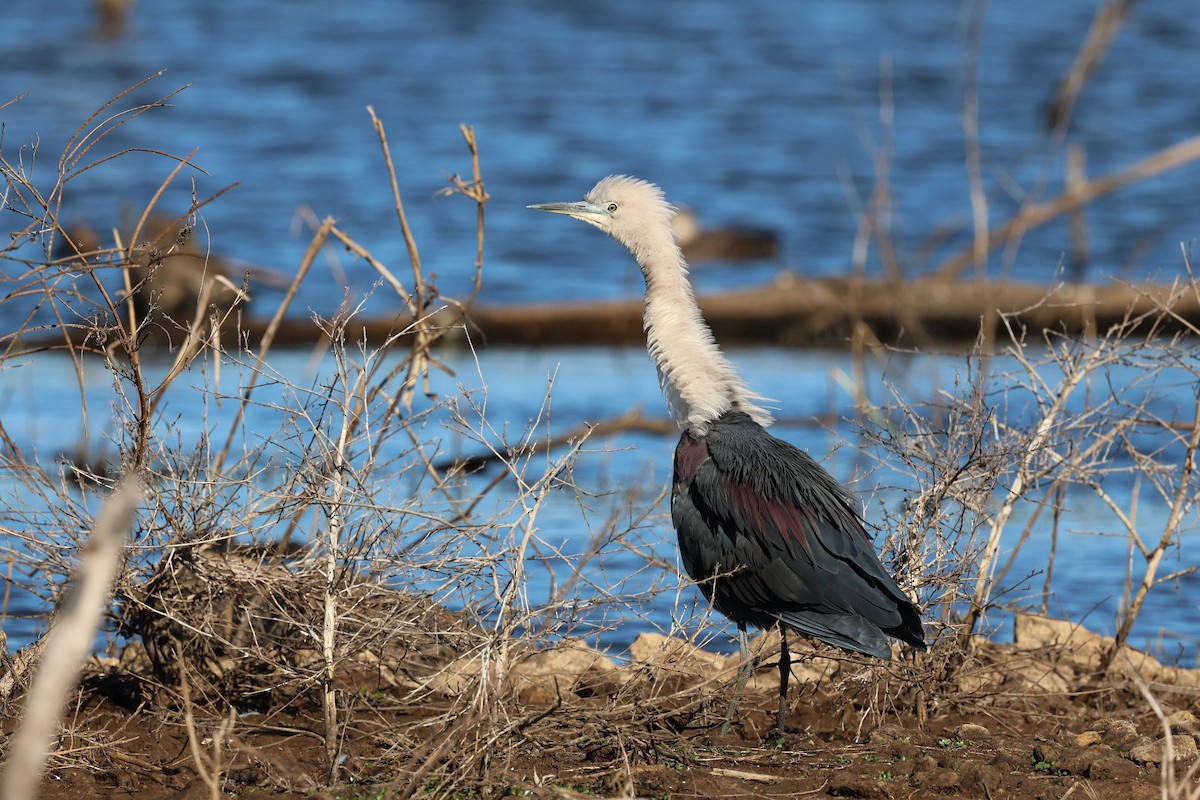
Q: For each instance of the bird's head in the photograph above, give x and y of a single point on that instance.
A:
(630, 210)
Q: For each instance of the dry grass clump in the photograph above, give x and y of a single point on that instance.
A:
(241, 619)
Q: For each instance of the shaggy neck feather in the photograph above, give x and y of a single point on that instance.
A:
(699, 382)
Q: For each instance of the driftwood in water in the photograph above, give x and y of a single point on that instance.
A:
(835, 310)
(826, 311)
(796, 312)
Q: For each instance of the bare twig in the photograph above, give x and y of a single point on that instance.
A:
(264, 346)
(970, 122)
(207, 767)
(1037, 214)
(1183, 504)
(1110, 16)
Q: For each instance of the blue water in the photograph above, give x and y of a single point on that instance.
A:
(761, 113)
(757, 113)
(610, 487)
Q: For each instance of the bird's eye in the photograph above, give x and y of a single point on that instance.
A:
(611, 208)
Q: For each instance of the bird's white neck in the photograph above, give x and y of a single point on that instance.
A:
(699, 382)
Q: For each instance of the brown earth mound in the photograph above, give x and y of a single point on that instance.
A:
(1031, 719)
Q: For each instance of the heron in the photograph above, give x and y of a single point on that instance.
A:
(768, 535)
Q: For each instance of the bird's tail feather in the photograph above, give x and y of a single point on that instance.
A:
(847, 631)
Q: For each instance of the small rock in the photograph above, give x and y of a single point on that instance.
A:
(981, 780)
(1105, 723)
(1184, 749)
(1046, 680)
(1114, 768)
(853, 786)
(969, 730)
(1033, 631)
(537, 694)
(1077, 760)
(666, 652)
(252, 775)
(886, 734)
(925, 764)
(1136, 665)
(1183, 722)
(980, 681)
(676, 664)
(1137, 741)
(1089, 738)
(1115, 732)
(455, 677)
(939, 779)
(1071, 642)
(902, 751)
(558, 670)
(1180, 678)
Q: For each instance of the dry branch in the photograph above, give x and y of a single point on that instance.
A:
(1032, 216)
(1110, 16)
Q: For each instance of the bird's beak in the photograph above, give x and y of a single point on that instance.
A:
(581, 210)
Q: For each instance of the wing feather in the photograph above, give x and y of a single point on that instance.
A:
(776, 538)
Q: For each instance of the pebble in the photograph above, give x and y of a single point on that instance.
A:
(939, 780)
(1183, 722)
(926, 764)
(1115, 732)
(1079, 760)
(969, 730)
(1154, 752)
(1114, 769)
(886, 734)
(981, 780)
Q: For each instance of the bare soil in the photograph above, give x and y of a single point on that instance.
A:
(1022, 721)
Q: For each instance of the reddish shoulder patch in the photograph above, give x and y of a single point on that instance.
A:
(690, 453)
(771, 517)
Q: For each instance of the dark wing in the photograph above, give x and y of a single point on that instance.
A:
(772, 536)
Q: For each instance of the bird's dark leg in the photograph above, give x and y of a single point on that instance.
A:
(785, 672)
(745, 670)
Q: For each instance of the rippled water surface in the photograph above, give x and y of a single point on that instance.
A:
(761, 113)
